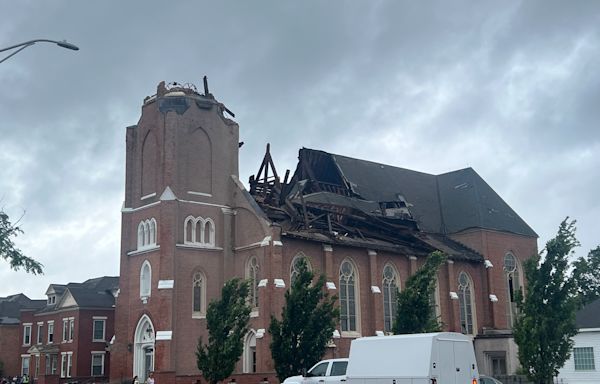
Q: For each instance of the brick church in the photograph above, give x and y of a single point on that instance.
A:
(189, 225)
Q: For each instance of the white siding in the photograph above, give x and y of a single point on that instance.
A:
(568, 374)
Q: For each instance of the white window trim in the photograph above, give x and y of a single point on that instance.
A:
(25, 326)
(28, 357)
(145, 292)
(197, 239)
(103, 320)
(50, 322)
(103, 354)
(357, 332)
(69, 358)
(40, 335)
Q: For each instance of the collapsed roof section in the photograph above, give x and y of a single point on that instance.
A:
(335, 199)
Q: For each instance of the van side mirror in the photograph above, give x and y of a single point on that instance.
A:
(304, 373)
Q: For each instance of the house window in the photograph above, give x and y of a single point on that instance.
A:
(71, 328)
(198, 295)
(99, 329)
(390, 289)
(66, 364)
(584, 359)
(50, 332)
(146, 234)
(40, 333)
(51, 363)
(465, 299)
(145, 279)
(199, 231)
(65, 331)
(97, 364)
(27, 334)
(295, 267)
(513, 285)
(252, 276)
(348, 297)
(25, 361)
(51, 299)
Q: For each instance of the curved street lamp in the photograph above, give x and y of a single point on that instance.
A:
(29, 43)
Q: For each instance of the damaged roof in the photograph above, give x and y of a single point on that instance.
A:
(446, 203)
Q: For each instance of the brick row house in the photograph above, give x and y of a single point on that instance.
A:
(67, 339)
(189, 225)
(11, 332)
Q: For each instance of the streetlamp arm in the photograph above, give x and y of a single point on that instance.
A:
(63, 44)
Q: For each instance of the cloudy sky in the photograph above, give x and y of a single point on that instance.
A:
(509, 88)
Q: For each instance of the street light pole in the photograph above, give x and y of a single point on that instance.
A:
(22, 46)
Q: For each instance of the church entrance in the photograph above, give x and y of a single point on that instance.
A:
(143, 353)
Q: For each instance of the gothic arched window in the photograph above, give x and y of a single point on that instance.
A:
(145, 280)
(348, 297)
(294, 267)
(513, 285)
(391, 286)
(466, 304)
(252, 276)
(198, 294)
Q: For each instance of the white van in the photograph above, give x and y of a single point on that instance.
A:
(426, 358)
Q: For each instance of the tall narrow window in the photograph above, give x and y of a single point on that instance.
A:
(511, 272)
(209, 232)
(27, 334)
(465, 298)
(190, 230)
(249, 362)
(145, 279)
(198, 295)
(252, 276)
(295, 267)
(40, 333)
(25, 360)
(65, 330)
(390, 288)
(348, 297)
(50, 332)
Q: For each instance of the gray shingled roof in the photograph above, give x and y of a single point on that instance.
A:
(446, 203)
(11, 306)
(589, 316)
(92, 293)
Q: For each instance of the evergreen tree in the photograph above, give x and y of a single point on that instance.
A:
(227, 323)
(9, 252)
(587, 275)
(546, 320)
(307, 323)
(415, 312)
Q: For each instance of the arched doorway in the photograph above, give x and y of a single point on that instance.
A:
(250, 353)
(143, 349)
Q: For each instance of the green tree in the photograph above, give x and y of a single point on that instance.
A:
(587, 275)
(307, 323)
(546, 320)
(12, 254)
(227, 323)
(415, 312)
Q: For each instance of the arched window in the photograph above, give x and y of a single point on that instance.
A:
(199, 232)
(190, 230)
(466, 304)
(143, 348)
(141, 240)
(513, 284)
(145, 280)
(146, 233)
(252, 276)
(152, 226)
(250, 352)
(295, 266)
(209, 232)
(198, 295)
(390, 287)
(348, 297)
